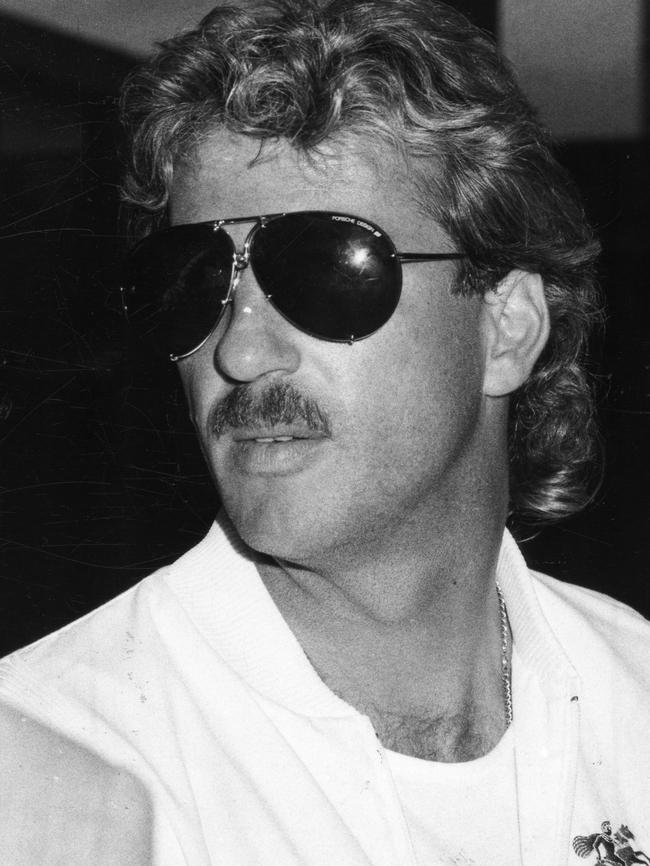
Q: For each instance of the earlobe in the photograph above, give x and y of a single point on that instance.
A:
(516, 328)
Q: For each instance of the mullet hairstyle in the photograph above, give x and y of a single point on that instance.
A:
(416, 76)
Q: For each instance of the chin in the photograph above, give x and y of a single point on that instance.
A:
(280, 532)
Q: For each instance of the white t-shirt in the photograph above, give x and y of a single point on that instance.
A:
(194, 684)
(461, 814)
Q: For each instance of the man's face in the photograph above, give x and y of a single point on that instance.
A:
(404, 406)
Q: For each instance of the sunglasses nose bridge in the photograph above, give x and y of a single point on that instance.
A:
(242, 259)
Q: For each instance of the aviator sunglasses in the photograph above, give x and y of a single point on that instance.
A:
(333, 276)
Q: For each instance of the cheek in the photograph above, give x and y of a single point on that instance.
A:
(418, 396)
(451, 355)
(200, 380)
(195, 386)
(433, 355)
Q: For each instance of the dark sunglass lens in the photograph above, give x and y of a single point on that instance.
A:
(174, 285)
(332, 276)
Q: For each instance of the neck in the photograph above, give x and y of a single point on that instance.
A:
(408, 633)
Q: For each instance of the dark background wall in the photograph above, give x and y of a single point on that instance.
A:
(100, 476)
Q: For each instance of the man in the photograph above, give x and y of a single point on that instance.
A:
(376, 284)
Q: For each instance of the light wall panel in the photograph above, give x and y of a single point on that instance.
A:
(581, 63)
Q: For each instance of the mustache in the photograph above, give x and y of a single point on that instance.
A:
(279, 403)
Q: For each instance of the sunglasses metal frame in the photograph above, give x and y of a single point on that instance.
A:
(241, 260)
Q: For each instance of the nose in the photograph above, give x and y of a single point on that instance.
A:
(257, 340)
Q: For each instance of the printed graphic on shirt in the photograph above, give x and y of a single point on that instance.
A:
(617, 848)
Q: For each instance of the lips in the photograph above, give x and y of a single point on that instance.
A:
(266, 439)
(277, 433)
(276, 451)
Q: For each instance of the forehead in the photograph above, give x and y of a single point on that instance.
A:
(228, 176)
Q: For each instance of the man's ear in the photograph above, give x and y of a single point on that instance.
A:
(516, 328)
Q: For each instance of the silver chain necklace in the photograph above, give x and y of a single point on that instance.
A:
(505, 664)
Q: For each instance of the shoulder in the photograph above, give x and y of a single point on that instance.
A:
(110, 644)
(61, 803)
(128, 621)
(108, 660)
(106, 632)
(600, 635)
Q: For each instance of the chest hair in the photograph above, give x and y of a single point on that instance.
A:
(448, 738)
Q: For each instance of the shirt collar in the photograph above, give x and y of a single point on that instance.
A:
(218, 584)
